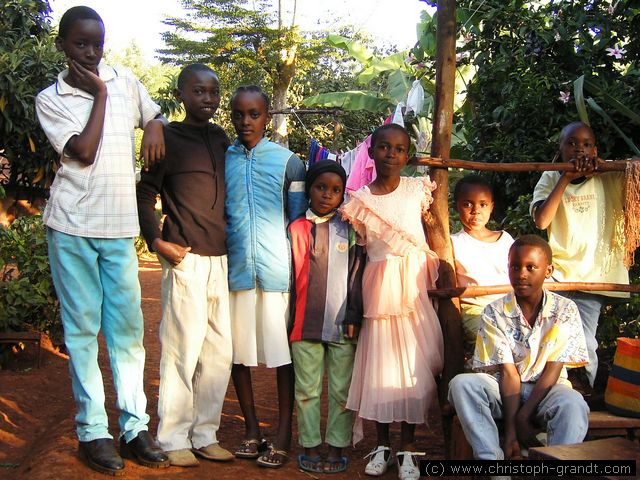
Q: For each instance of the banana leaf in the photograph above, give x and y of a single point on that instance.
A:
(578, 92)
(350, 100)
(392, 62)
(612, 101)
(598, 109)
(356, 49)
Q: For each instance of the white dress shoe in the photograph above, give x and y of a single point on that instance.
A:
(408, 465)
(378, 465)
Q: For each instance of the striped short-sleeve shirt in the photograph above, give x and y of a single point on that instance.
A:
(98, 200)
(505, 336)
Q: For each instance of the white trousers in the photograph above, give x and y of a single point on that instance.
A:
(195, 366)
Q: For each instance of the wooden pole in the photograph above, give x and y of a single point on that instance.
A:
(602, 166)
(479, 291)
(438, 228)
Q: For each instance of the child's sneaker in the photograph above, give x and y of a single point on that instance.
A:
(408, 465)
(378, 464)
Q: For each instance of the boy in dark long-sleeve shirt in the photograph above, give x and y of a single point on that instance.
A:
(195, 332)
(191, 187)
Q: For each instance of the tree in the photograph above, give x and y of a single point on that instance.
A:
(540, 65)
(29, 62)
(385, 78)
(244, 41)
(153, 76)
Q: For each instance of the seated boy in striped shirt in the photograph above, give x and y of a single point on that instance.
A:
(526, 340)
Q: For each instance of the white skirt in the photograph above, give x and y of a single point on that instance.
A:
(259, 327)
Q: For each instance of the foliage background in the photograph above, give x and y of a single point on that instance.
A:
(248, 47)
(525, 53)
(29, 300)
(29, 62)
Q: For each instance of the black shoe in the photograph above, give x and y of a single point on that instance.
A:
(596, 402)
(101, 455)
(580, 382)
(144, 450)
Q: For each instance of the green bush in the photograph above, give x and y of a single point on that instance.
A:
(517, 220)
(622, 317)
(29, 62)
(29, 299)
(527, 56)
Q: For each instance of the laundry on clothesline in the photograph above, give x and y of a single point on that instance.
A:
(356, 162)
(317, 152)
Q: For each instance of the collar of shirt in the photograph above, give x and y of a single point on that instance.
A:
(238, 143)
(105, 72)
(312, 217)
(512, 310)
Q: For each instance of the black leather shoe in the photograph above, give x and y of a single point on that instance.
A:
(144, 450)
(580, 382)
(101, 455)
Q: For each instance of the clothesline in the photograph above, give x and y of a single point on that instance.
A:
(307, 111)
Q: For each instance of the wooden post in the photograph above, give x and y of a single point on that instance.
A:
(438, 228)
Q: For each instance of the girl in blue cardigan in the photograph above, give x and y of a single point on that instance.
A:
(264, 185)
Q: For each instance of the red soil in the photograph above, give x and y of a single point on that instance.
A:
(37, 437)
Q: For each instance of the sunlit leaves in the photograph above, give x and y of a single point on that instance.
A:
(28, 63)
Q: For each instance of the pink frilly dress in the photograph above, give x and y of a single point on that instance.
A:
(400, 347)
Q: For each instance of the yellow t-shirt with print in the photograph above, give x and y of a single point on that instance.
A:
(587, 233)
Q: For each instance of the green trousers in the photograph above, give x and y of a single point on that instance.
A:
(309, 359)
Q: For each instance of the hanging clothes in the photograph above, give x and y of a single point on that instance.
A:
(347, 159)
(317, 152)
(313, 152)
(415, 98)
(363, 171)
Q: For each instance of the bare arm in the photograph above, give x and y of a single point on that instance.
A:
(510, 393)
(525, 416)
(544, 213)
(152, 149)
(84, 146)
(171, 252)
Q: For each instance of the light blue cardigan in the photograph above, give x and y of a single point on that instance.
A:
(264, 192)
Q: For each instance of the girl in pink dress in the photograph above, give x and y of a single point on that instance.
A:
(400, 349)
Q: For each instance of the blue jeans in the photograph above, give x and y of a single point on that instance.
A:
(476, 398)
(97, 283)
(589, 306)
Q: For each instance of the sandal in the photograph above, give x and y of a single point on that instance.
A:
(408, 465)
(251, 448)
(310, 464)
(273, 458)
(335, 465)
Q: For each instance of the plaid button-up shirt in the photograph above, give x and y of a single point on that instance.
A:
(97, 200)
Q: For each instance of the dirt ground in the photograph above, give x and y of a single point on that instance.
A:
(37, 437)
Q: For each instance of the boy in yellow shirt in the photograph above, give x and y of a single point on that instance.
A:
(582, 211)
